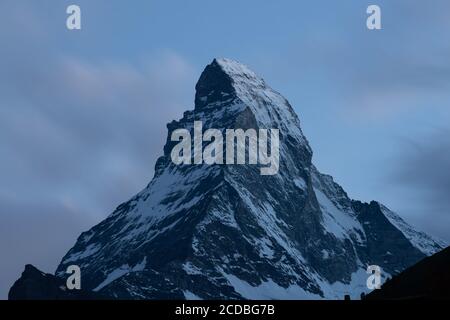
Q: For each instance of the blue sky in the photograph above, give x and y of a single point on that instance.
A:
(83, 113)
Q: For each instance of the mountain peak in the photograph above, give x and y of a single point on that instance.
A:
(228, 84)
(239, 72)
(224, 78)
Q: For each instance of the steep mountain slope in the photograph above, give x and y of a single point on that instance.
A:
(226, 231)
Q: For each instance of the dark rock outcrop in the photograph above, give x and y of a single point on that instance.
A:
(37, 285)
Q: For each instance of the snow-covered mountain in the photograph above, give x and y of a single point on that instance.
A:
(225, 231)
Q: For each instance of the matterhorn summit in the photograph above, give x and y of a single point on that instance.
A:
(218, 231)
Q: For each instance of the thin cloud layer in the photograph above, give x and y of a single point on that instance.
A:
(77, 137)
(421, 176)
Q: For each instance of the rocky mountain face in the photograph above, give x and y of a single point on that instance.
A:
(228, 232)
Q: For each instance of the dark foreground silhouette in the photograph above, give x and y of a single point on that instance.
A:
(37, 285)
(427, 279)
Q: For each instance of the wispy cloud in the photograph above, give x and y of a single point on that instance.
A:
(421, 175)
(77, 137)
